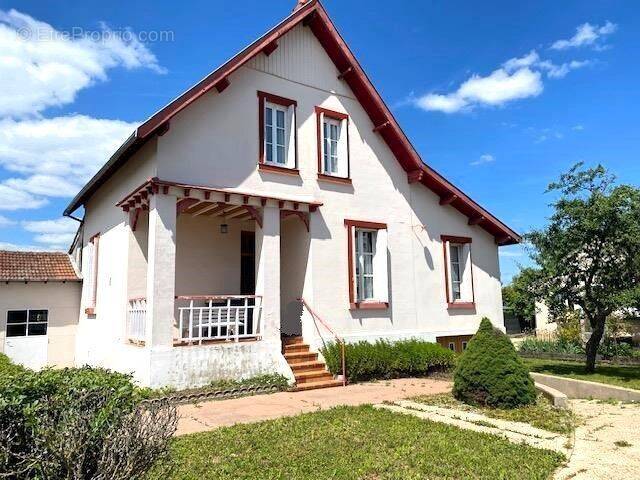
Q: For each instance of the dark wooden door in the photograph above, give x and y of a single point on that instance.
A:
(247, 263)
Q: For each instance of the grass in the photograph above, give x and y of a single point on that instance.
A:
(355, 443)
(541, 414)
(622, 376)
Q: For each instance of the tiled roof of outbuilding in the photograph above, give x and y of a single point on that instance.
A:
(36, 267)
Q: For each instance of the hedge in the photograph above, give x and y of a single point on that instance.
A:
(79, 423)
(609, 348)
(384, 359)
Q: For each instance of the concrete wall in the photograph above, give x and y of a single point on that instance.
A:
(62, 300)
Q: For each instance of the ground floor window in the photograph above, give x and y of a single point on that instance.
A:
(27, 323)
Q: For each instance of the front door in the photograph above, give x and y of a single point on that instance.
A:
(247, 263)
(26, 341)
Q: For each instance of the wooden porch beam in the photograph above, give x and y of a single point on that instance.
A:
(207, 208)
(198, 207)
(185, 204)
(255, 214)
(236, 212)
(219, 208)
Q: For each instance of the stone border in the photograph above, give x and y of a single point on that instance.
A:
(216, 394)
(557, 398)
(585, 389)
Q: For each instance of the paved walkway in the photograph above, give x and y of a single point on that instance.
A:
(516, 432)
(607, 444)
(214, 414)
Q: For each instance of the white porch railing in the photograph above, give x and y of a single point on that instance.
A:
(218, 317)
(137, 319)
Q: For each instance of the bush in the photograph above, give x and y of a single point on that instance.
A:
(8, 368)
(535, 345)
(80, 423)
(383, 359)
(490, 373)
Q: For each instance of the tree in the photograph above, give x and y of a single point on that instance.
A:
(519, 296)
(589, 254)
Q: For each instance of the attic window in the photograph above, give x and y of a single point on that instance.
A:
(277, 131)
(333, 144)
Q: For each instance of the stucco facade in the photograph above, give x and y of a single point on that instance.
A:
(160, 254)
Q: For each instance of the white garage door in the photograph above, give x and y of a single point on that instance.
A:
(26, 340)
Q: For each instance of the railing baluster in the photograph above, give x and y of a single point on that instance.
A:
(190, 321)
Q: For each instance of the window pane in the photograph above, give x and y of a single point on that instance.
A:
(16, 330)
(269, 152)
(367, 242)
(38, 315)
(37, 329)
(368, 264)
(280, 118)
(17, 316)
(454, 253)
(334, 132)
(269, 116)
(280, 154)
(368, 287)
(280, 136)
(268, 134)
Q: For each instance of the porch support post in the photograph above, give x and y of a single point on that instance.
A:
(268, 271)
(161, 268)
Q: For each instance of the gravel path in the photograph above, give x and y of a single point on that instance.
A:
(607, 443)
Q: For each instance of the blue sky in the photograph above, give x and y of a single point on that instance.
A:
(500, 97)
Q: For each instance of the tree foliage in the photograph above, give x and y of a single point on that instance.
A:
(520, 295)
(589, 254)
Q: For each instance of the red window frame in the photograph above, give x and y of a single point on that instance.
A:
(91, 307)
(450, 303)
(353, 303)
(285, 102)
(319, 133)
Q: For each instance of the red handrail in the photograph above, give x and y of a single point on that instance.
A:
(339, 340)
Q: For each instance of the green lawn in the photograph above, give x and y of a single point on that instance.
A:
(541, 414)
(622, 376)
(355, 443)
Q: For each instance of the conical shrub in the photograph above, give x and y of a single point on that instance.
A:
(489, 372)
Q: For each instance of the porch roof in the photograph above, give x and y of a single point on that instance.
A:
(205, 200)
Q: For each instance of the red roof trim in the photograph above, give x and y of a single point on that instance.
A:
(313, 15)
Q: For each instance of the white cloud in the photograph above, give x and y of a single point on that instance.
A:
(54, 157)
(577, 128)
(60, 225)
(486, 158)
(6, 222)
(517, 78)
(42, 67)
(498, 88)
(22, 248)
(55, 240)
(560, 71)
(15, 199)
(58, 233)
(586, 34)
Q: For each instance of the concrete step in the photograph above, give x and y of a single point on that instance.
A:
(320, 384)
(292, 340)
(298, 357)
(312, 376)
(296, 347)
(306, 366)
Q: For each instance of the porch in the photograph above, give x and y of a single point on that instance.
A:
(210, 268)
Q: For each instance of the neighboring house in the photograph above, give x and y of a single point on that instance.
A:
(282, 175)
(39, 305)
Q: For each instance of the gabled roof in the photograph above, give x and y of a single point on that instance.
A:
(313, 15)
(36, 267)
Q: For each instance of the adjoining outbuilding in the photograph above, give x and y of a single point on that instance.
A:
(39, 307)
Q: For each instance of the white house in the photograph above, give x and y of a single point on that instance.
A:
(280, 176)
